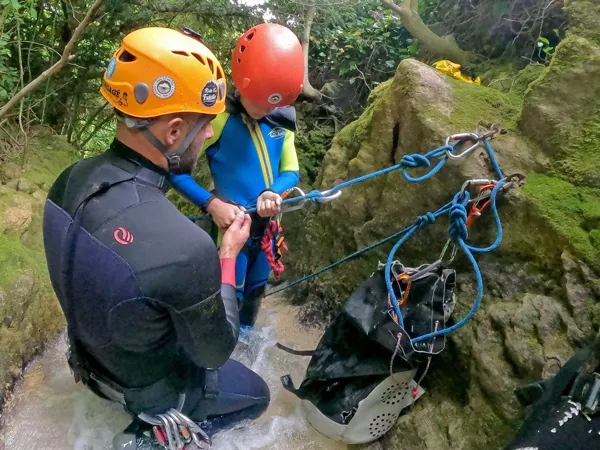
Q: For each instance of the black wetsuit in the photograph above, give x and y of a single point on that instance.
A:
(141, 288)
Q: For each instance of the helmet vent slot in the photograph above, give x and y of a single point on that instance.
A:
(125, 56)
(219, 73)
(199, 58)
(211, 65)
(242, 48)
(239, 60)
(180, 53)
(250, 36)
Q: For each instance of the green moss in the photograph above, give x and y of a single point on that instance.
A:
(579, 160)
(380, 91)
(475, 103)
(584, 16)
(569, 211)
(46, 157)
(526, 77)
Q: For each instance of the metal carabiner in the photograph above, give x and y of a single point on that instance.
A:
(328, 196)
(462, 137)
(167, 426)
(194, 429)
(175, 430)
(301, 203)
(477, 182)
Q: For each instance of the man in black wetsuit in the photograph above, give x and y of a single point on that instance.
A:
(150, 303)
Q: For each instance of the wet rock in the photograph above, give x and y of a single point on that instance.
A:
(24, 185)
(579, 295)
(12, 184)
(40, 195)
(17, 218)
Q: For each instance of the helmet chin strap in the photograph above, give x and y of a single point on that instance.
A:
(173, 158)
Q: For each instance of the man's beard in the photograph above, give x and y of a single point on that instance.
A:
(188, 160)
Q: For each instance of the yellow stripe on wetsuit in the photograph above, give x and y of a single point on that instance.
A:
(265, 163)
(261, 139)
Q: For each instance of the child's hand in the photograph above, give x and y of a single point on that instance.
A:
(223, 213)
(268, 204)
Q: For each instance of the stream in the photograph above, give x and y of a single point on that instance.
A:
(49, 411)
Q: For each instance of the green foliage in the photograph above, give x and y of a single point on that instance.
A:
(364, 46)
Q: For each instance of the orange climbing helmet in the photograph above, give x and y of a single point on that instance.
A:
(267, 65)
(159, 71)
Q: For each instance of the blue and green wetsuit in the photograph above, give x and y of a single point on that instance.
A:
(247, 157)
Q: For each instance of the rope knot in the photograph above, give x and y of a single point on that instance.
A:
(313, 195)
(426, 219)
(458, 222)
(415, 160)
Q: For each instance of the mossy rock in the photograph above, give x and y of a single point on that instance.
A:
(30, 314)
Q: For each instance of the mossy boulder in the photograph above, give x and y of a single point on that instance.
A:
(542, 294)
(30, 314)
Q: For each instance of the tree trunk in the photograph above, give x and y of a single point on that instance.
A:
(408, 12)
(308, 90)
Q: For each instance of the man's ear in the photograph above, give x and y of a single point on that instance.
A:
(174, 130)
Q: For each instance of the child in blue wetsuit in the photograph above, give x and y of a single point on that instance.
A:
(252, 156)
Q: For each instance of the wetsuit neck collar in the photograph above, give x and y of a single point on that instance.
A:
(284, 117)
(131, 161)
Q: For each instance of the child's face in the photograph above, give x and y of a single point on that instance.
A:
(255, 110)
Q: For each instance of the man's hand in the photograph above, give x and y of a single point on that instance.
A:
(222, 213)
(235, 237)
(268, 204)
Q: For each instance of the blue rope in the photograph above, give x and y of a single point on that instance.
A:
(459, 234)
(492, 156)
(415, 160)
(199, 218)
(421, 222)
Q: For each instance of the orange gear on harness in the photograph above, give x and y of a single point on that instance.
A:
(274, 237)
(476, 210)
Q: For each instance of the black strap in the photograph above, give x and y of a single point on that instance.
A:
(294, 352)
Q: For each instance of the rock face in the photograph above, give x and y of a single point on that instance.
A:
(542, 295)
(29, 312)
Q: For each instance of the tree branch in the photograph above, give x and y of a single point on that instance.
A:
(65, 58)
(308, 90)
(408, 13)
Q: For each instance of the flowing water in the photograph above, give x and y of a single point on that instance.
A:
(49, 411)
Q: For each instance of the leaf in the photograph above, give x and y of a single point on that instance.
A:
(322, 55)
(33, 13)
(3, 43)
(15, 4)
(390, 63)
(352, 80)
(5, 2)
(544, 40)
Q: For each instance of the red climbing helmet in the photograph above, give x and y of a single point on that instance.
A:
(267, 65)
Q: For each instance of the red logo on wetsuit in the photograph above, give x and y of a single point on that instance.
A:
(122, 236)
